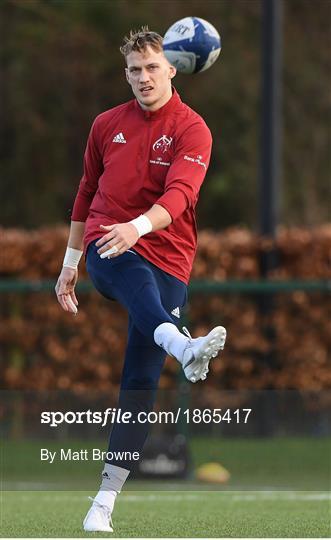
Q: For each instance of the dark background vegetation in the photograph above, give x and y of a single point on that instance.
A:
(60, 66)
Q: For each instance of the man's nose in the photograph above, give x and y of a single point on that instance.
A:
(144, 76)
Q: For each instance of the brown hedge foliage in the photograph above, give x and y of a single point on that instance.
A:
(232, 254)
(46, 348)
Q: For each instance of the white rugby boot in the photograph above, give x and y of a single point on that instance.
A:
(199, 351)
(98, 518)
(194, 354)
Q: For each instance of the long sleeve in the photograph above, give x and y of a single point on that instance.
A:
(93, 168)
(187, 171)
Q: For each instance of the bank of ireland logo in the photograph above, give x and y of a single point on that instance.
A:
(162, 144)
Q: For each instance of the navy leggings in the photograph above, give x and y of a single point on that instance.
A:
(149, 294)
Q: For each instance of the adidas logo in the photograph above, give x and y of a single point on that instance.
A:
(176, 312)
(119, 138)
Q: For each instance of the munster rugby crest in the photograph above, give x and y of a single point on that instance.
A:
(163, 143)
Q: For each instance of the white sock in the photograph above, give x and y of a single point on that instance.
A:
(113, 478)
(167, 336)
(106, 498)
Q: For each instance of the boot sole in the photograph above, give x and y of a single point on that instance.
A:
(98, 530)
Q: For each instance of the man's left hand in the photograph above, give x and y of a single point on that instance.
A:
(119, 237)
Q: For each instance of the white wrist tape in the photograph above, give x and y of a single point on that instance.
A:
(142, 224)
(72, 257)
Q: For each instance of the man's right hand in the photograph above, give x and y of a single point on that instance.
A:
(65, 289)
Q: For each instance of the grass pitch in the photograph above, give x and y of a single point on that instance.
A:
(278, 488)
(171, 514)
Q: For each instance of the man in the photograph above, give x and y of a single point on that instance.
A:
(134, 214)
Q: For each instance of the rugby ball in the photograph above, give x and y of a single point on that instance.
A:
(192, 45)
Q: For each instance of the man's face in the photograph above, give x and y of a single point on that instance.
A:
(149, 75)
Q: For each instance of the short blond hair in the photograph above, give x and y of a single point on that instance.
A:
(139, 40)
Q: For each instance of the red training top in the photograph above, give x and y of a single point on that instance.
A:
(136, 158)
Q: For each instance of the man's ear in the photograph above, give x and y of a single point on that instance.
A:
(127, 75)
(172, 72)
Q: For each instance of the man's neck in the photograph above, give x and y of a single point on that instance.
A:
(156, 106)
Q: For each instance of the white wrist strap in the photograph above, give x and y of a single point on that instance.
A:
(142, 224)
(72, 257)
